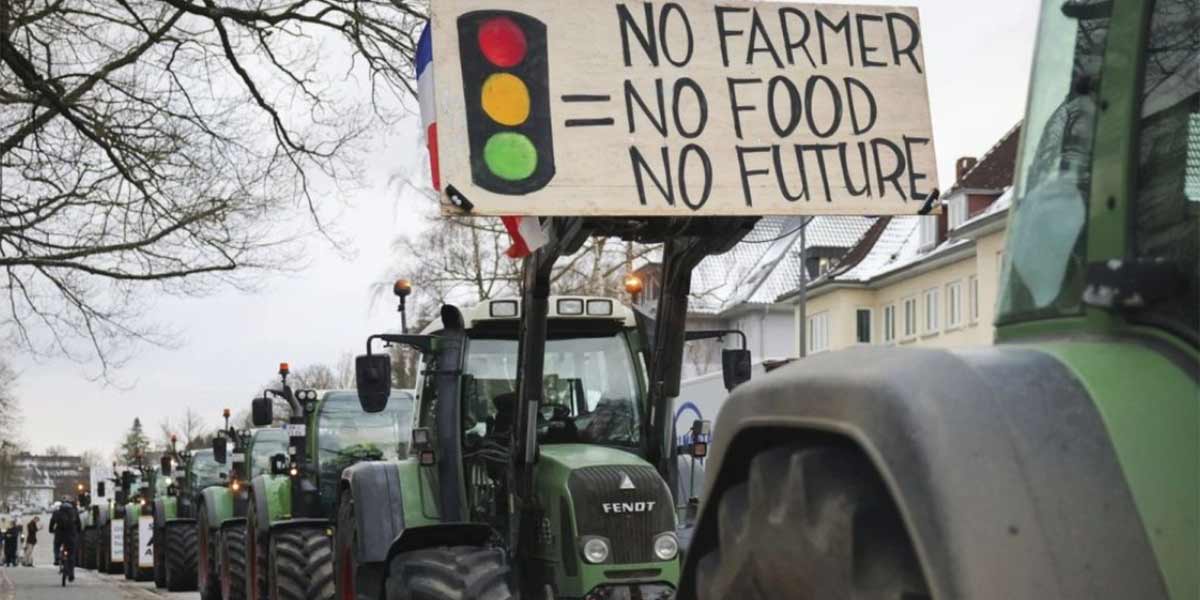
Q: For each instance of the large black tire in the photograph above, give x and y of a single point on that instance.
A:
(87, 549)
(354, 580)
(181, 556)
(449, 573)
(208, 578)
(129, 559)
(258, 559)
(233, 563)
(160, 557)
(302, 564)
(810, 522)
(102, 550)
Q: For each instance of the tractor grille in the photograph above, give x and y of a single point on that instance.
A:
(625, 516)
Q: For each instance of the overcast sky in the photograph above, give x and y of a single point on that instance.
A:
(977, 57)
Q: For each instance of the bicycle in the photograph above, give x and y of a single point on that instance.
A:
(66, 564)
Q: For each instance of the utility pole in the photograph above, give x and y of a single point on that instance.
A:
(803, 304)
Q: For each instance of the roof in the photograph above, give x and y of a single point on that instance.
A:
(508, 309)
(994, 171)
(767, 263)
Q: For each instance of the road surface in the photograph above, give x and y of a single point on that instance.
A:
(42, 582)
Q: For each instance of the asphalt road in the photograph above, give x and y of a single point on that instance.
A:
(42, 582)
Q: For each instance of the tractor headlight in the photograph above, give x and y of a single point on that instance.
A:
(595, 549)
(666, 546)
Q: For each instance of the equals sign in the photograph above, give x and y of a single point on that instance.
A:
(585, 98)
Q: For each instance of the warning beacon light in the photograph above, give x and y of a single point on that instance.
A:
(506, 86)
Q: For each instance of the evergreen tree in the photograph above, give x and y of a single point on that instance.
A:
(136, 443)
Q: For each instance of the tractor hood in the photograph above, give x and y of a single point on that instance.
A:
(576, 456)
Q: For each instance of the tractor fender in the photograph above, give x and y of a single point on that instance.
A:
(100, 515)
(441, 534)
(272, 500)
(217, 504)
(378, 507)
(161, 514)
(998, 459)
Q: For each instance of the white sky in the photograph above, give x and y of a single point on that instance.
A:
(977, 57)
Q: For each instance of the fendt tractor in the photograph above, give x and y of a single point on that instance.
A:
(223, 517)
(109, 520)
(138, 517)
(176, 517)
(596, 518)
(1059, 463)
(291, 508)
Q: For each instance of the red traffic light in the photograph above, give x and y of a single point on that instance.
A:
(502, 42)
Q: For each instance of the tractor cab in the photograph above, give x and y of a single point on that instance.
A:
(343, 435)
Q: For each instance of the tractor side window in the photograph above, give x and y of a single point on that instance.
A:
(346, 435)
(1166, 209)
(267, 443)
(1044, 268)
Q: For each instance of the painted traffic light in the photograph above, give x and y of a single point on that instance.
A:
(506, 87)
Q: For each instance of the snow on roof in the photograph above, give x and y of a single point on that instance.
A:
(1000, 204)
(767, 263)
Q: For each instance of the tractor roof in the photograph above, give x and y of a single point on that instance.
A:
(593, 308)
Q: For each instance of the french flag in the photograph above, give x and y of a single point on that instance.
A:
(526, 232)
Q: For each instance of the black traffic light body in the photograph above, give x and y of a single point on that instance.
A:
(509, 155)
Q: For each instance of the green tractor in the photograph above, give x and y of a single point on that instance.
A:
(108, 519)
(223, 510)
(290, 509)
(176, 514)
(1061, 462)
(86, 549)
(138, 518)
(557, 495)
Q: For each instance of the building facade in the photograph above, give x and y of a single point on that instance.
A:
(919, 280)
(37, 481)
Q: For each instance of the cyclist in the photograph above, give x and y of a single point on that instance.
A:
(65, 526)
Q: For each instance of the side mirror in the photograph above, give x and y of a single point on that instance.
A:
(735, 366)
(218, 448)
(126, 479)
(262, 411)
(279, 464)
(701, 432)
(373, 376)
(100, 489)
(164, 465)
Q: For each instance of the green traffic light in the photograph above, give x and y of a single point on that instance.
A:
(510, 156)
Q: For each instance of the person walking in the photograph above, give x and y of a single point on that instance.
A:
(31, 540)
(12, 538)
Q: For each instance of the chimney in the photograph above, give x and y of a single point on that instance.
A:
(962, 165)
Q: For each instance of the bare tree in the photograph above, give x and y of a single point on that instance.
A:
(164, 142)
(190, 430)
(56, 450)
(317, 377)
(10, 414)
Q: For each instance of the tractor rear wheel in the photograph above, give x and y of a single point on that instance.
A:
(102, 548)
(449, 573)
(302, 564)
(207, 576)
(810, 521)
(355, 581)
(160, 545)
(258, 559)
(87, 549)
(233, 563)
(180, 559)
(130, 552)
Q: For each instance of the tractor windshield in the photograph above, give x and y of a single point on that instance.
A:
(347, 435)
(591, 392)
(267, 443)
(206, 471)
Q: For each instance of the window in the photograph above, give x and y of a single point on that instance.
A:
(889, 323)
(973, 298)
(954, 304)
(958, 210)
(818, 333)
(862, 322)
(931, 311)
(928, 229)
(910, 317)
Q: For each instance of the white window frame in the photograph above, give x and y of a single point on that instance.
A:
(973, 299)
(910, 318)
(870, 325)
(818, 333)
(954, 304)
(930, 302)
(958, 211)
(889, 324)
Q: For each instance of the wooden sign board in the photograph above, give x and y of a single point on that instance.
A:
(687, 108)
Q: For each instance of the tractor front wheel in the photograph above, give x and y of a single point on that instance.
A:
(810, 521)
(257, 558)
(233, 563)
(302, 564)
(207, 576)
(160, 552)
(87, 550)
(180, 559)
(355, 581)
(449, 573)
